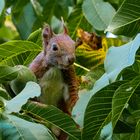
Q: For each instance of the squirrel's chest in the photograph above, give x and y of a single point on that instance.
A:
(53, 87)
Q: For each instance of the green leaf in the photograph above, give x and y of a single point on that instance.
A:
(121, 98)
(2, 5)
(134, 117)
(122, 136)
(7, 33)
(31, 90)
(115, 3)
(130, 72)
(14, 128)
(4, 94)
(77, 20)
(98, 13)
(98, 111)
(24, 75)
(126, 20)
(8, 73)
(136, 135)
(55, 8)
(54, 116)
(37, 7)
(18, 52)
(119, 58)
(24, 17)
(36, 37)
(80, 107)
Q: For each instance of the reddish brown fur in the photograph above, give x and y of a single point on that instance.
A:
(48, 58)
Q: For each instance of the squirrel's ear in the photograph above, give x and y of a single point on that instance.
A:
(65, 29)
(64, 26)
(46, 35)
(47, 32)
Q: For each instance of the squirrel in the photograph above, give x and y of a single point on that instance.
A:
(55, 71)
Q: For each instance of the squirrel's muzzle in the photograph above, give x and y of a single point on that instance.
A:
(70, 59)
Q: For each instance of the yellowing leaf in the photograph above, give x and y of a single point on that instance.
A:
(92, 49)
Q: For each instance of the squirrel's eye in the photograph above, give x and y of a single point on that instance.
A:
(54, 47)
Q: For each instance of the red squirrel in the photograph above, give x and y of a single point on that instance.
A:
(54, 69)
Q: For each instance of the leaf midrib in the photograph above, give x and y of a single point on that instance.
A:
(14, 55)
(125, 102)
(94, 5)
(37, 116)
(125, 24)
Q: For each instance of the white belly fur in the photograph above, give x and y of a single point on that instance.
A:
(53, 87)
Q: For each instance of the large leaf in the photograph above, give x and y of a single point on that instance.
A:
(14, 128)
(24, 17)
(98, 13)
(126, 20)
(119, 58)
(18, 52)
(8, 73)
(130, 72)
(77, 20)
(31, 90)
(121, 98)
(98, 110)
(93, 58)
(54, 116)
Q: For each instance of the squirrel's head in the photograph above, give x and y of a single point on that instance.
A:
(59, 50)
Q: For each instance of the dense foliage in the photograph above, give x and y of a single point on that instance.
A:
(109, 74)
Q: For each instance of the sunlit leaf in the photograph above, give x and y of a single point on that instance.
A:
(8, 73)
(18, 52)
(93, 58)
(126, 20)
(2, 4)
(130, 72)
(14, 128)
(31, 90)
(119, 58)
(98, 13)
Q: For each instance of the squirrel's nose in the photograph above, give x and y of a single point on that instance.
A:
(71, 59)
